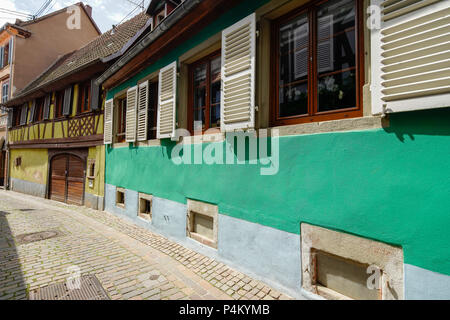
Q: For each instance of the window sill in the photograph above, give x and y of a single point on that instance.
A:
(145, 218)
(203, 240)
(342, 125)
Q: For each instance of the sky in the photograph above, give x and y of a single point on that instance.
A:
(105, 12)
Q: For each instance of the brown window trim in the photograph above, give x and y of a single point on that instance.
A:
(121, 121)
(152, 110)
(82, 108)
(58, 105)
(192, 67)
(39, 111)
(313, 115)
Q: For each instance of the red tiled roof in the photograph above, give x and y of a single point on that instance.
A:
(102, 47)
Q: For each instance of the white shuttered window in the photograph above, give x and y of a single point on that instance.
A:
(167, 101)
(238, 75)
(109, 117)
(132, 96)
(142, 116)
(411, 56)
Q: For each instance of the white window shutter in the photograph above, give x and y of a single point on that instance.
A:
(24, 114)
(11, 50)
(67, 107)
(10, 119)
(167, 97)
(131, 114)
(238, 75)
(47, 106)
(411, 56)
(109, 117)
(2, 54)
(33, 111)
(301, 43)
(325, 47)
(142, 114)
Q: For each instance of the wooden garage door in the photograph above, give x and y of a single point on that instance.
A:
(67, 179)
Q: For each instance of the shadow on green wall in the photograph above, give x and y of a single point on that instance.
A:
(427, 122)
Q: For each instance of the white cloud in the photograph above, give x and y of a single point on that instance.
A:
(6, 17)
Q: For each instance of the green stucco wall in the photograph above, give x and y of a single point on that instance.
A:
(391, 185)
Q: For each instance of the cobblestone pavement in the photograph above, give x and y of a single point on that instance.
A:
(130, 262)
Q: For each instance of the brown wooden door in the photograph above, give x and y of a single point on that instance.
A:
(75, 181)
(67, 179)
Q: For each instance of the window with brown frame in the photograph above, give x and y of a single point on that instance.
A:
(84, 97)
(59, 101)
(39, 114)
(317, 63)
(205, 93)
(16, 117)
(121, 120)
(152, 110)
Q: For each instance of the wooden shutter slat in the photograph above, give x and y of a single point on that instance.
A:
(109, 116)
(410, 56)
(238, 75)
(67, 101)
(24, 115)
(10, 119)
(10, 53)
(132, 96)
(167, 94)
(95, 96)
(2, 54)
(47, 107)
(142, 116)
(32, 111)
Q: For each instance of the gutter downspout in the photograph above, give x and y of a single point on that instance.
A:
(176, 15)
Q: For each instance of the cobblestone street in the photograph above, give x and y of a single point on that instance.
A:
(129, 262)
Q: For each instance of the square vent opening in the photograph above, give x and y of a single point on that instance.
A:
(145, 207)
(203, 223)
(120, 197)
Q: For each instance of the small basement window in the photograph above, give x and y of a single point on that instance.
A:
(120, 197)
(203, 223)
(341, 266)
(338, 278)
(145, 206)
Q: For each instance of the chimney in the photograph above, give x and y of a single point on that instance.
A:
(88, 10)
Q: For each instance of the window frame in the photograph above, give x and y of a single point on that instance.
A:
(5, 84)
(16, 117)
(310, 9)
(207, 59)
(81, 97)
(153, 89)
(58, 105)
(120, 137)
(39, 110)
